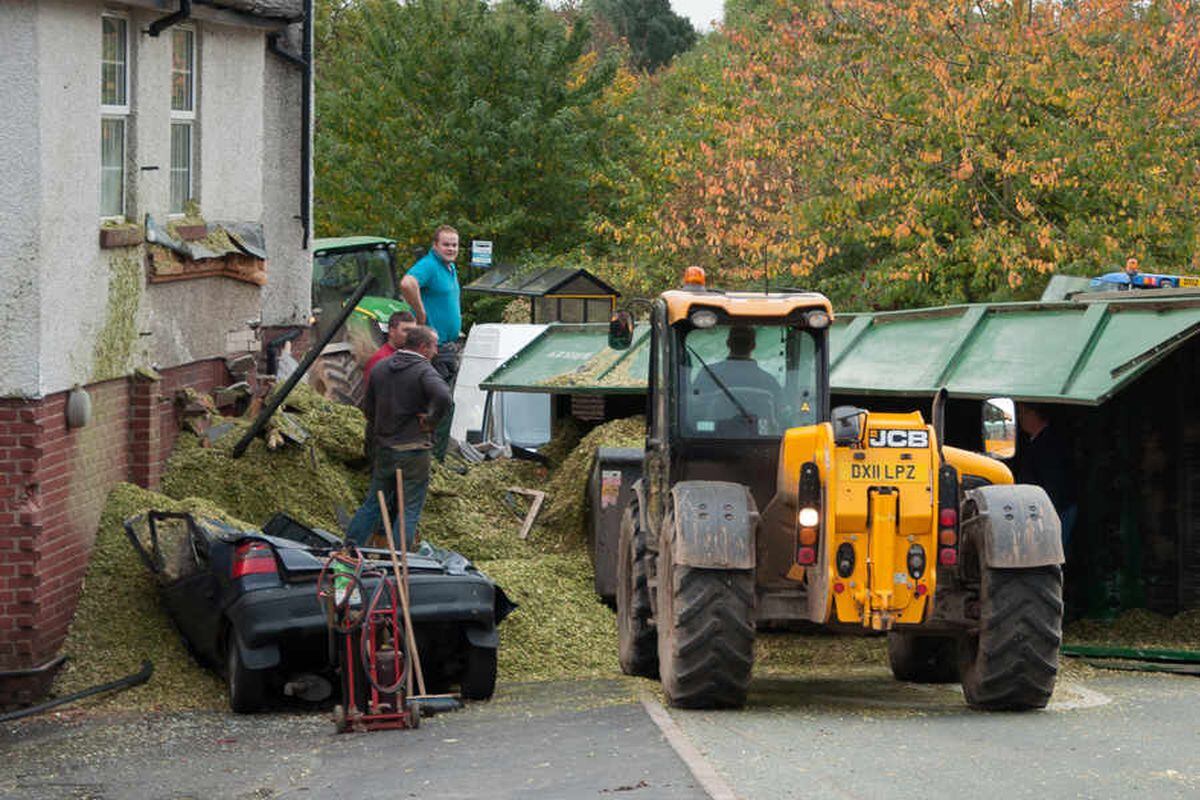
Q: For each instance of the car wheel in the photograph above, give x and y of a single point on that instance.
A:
(246, 686)
(479, 678)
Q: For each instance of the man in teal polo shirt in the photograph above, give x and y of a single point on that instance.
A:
(431, 288)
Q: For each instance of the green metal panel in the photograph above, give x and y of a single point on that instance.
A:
(348, 243)
(1067, 352)
(576, 359)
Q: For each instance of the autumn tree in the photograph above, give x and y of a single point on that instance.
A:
(908, 152)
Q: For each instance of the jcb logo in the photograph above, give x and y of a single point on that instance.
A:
(883, 437)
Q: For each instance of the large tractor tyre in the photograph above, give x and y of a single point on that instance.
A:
(923, 659)
(1011, 663)
(339, 377)
(705, 632)
(637, 638)
(479, 677)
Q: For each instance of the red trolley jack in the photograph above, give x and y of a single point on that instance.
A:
(370, 651)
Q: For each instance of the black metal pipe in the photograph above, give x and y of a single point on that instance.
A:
(279, 395)
(162, 23)
(139, 677)
(28, 672)
(306, 125)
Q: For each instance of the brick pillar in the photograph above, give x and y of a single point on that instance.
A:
(20, 527)
(145, 451)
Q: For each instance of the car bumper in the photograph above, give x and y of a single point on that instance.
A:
(290, 618)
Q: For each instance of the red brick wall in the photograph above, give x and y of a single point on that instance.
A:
(53, 483)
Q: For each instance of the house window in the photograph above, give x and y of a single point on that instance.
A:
(114, 112)
(183, 116)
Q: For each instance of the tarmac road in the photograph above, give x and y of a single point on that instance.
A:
(856, 734)
(563, 741)
(863, 735)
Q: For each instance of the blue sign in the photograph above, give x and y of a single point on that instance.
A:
(481, 253)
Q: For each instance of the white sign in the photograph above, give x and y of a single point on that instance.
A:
(481, 253)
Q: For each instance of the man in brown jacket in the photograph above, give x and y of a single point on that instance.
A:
(405, 400)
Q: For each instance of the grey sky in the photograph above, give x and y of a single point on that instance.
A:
(702, 13)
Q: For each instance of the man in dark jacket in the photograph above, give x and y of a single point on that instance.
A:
(1044, 460)
(405, 400)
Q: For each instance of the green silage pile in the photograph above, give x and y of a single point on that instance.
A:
(564, 517)
(309, 481)
(560, 630)
(1139, 627)
(119, 621)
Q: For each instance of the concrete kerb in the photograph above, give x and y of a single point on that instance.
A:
(705, 774)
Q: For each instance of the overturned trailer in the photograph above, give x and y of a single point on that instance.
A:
(1115, 371)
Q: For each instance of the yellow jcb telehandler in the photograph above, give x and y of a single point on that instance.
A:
(867, 521)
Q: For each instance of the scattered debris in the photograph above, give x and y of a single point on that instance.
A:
(535, 506)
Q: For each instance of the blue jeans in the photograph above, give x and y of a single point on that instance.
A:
(368, 519)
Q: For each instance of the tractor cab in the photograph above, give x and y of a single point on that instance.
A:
(339, 265)
(730, 373)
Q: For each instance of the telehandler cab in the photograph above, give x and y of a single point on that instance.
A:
(867, 522)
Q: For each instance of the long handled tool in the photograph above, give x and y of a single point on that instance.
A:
(431, 702)
(402, 586)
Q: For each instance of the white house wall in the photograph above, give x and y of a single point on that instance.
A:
(54, 277)
(20, 200)
(285, 300)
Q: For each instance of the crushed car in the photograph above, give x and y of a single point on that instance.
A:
(246, 604)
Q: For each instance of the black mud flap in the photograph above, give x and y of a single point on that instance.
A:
(715, 523)
(1014, 526)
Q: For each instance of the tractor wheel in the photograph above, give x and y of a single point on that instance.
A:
(246, 686)
(1011, 662)
(338, 376)
(479, 677)
(637, 638)
(923, 659)
(705, 631)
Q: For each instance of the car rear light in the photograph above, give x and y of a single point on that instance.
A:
(948, 557)
(806, 556)
(253, 558)
(948, 537)
(948, 517)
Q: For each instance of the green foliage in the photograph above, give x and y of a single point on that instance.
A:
(655, 34)
(918, 152)
(491, 118)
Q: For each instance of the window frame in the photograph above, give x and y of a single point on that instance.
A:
(120, 112)
(184, 118)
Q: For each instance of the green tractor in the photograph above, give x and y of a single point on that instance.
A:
(339, 265)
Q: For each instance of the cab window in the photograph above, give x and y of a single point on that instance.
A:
(747, 381)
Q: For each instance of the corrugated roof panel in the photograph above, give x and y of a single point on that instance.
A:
(1133, 339)
(1029, 352)
(899, 353)
(1073, 352)
(576, 359)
